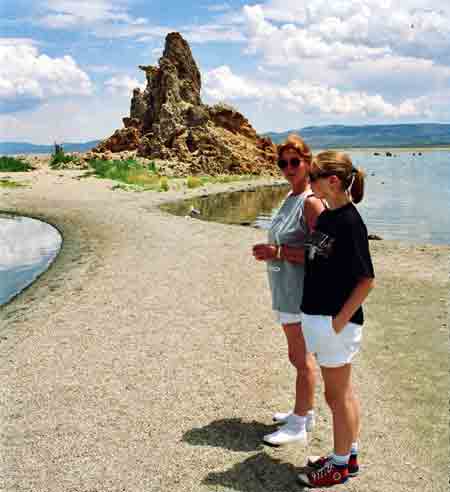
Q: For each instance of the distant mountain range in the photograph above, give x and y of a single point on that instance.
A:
(406, 135)
(318, 137)
(28, 148)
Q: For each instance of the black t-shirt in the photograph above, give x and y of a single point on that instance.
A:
(337, 256)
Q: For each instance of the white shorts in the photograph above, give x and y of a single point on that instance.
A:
(332, 349)
(287, 318)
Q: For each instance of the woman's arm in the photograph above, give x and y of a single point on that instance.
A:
(354, 301)
(313, 208)
(292, 254)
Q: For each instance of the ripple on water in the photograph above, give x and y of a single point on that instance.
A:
(27, 248)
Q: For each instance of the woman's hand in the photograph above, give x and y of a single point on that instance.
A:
(265, 252)
(293, 254)
(354, 301)
(338, 323)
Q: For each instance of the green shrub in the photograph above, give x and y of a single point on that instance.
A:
(60, 159)
(221, 178)
(6, 183)
(127, 171)
(164, 184)
(193, 182)
(12, 164)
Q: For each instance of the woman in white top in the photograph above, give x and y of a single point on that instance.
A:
(284, 254)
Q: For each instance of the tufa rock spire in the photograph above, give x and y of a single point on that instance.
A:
(169, 121)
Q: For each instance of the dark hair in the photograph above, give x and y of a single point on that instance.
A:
(340, 164)
(295, 142)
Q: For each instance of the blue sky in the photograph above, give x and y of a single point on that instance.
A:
(68, 66)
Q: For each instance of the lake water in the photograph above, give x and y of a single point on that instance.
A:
(407, 198)
(27, 247)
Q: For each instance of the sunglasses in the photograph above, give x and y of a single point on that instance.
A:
(314, 176)
(294, 162)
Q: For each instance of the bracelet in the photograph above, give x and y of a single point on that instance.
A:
(278, 255)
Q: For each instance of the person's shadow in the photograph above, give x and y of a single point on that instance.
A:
(257, 473)
(230, 434)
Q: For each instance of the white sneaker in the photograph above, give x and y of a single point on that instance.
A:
(283, 418)
(291, 431)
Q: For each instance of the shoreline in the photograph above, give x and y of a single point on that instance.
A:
(423, 148)
(146, 314)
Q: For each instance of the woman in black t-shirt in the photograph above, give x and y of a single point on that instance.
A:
(338, 277)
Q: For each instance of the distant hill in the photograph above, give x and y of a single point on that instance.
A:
(318, 137)
(7, 148)
(406, 135)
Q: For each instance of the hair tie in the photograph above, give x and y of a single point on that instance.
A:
(349, 187)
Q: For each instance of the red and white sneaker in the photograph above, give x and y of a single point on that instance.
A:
(327, 476)
(317, 462)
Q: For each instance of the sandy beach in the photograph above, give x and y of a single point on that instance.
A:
(146, 358)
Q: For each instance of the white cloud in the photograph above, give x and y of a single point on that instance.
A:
(221, 84)
(157, 52)
(68, 13)
(306, 97)
(292, 44)
(366, 57)
(436, 105)
(142, 33)
(122, 84)
(206, 33)
(111, 20)
(101, 68)
(104, 18)
(67, 120)
(399, 76)
(347, 29)
(28, 77)
(310, 98)
(18, 41)
(220, 7)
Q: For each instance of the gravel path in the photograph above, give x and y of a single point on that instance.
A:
(146, 358)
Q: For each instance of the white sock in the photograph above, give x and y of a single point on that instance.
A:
(340, 460)
(354, 449)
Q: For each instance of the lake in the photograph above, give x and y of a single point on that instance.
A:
(407, 197)
(27, 248)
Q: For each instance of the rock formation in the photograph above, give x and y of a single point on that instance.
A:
(168, 121)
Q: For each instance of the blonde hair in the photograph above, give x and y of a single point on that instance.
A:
(295, 142)
(340, 164)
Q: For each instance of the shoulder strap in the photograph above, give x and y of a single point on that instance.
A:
(324, 203)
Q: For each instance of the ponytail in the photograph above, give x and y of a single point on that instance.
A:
(357, 186)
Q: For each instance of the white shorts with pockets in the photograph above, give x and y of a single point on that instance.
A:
(332, 349)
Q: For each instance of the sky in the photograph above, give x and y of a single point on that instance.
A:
(68, 67)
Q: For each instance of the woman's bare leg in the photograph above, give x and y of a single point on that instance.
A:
(305, 365)
(344, 407)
